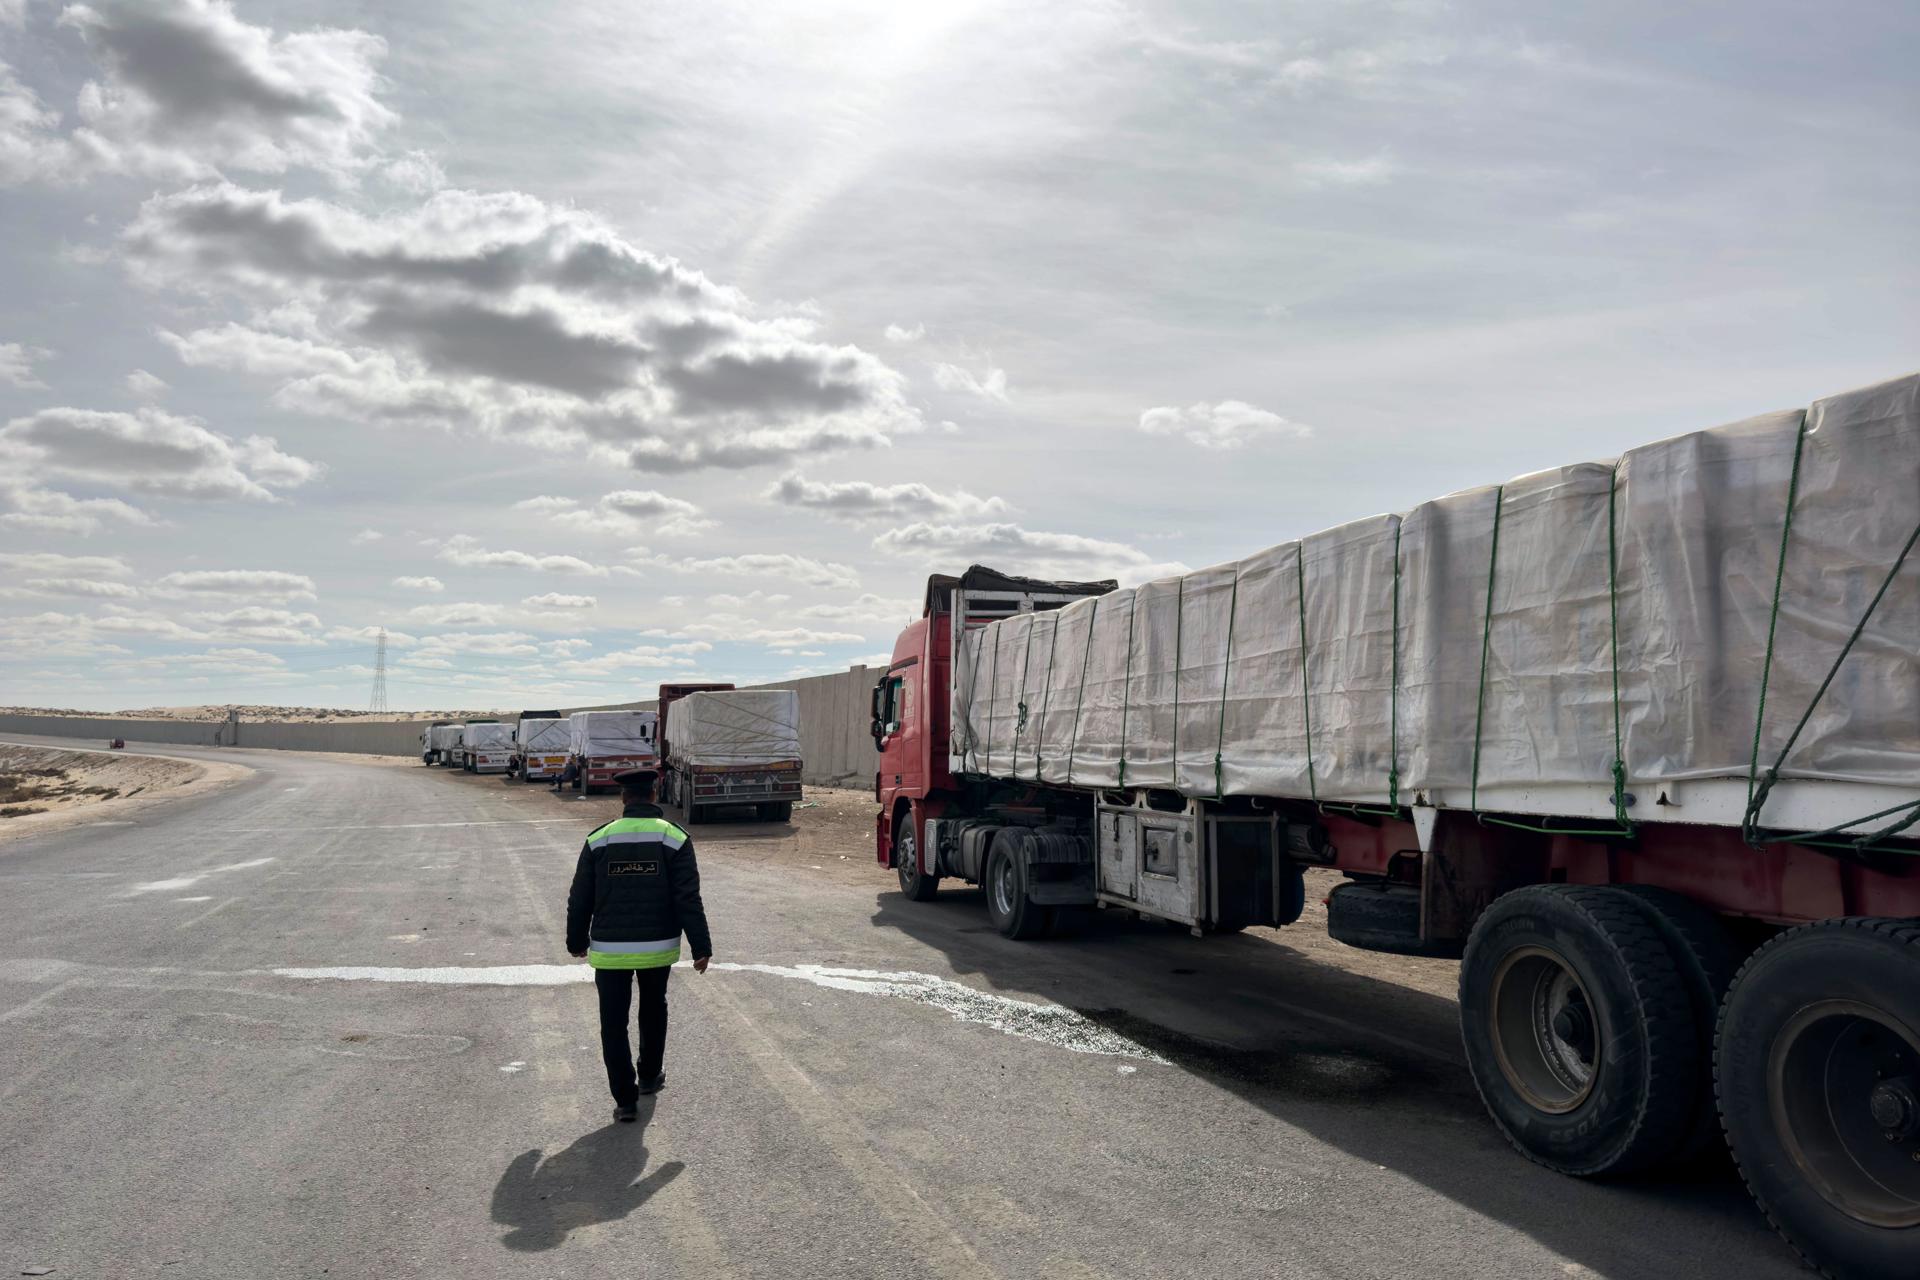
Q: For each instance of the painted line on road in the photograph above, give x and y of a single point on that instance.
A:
(210, 911)
(187, 882)
(406, 826)
(1049, 1024)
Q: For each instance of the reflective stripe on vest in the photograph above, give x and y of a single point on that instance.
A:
(634, 955)
(638, 831)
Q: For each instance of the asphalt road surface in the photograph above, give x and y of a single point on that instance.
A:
(322, 1023)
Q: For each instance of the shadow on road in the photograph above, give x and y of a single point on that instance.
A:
(597, 1179)
(1367, 1066)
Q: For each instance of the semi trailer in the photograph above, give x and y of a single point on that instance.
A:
(430, 745)
(486, 746)
(540, 746)
(729, 747)
(1637, 742)
(445, 744)
(604, 743)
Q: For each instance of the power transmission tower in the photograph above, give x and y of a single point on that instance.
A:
(377, 704)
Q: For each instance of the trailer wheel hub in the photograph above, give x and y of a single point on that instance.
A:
(1543, 1030)
(1895, 1108)
(1827, 1061)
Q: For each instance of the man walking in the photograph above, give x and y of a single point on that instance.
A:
(635, 890)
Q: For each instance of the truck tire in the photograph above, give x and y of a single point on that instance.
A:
(775, 811)
(1006, 885)
(1579, 1029)
(696, 815)
(1817, 1068)
(1708, 959)
(915, 884)
(1382, 917)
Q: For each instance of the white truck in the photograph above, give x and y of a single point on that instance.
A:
(733, 747)
(541, 748)
(486, 746)
(444, 743)
(604, 743)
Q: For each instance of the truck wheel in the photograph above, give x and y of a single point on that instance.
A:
(1578, 1029)
(1817, 1066)
(1705, 953)
(914, 883)
(1006, 885)
(695, 815)
(775, 811)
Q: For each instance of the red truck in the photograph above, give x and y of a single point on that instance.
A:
(729, 748)
(1686, 913)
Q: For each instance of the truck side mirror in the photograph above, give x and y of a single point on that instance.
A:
(876, 725)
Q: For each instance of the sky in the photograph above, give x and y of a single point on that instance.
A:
(586, 346)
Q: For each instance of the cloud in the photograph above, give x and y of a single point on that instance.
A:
(184, 89)
(860, 499)
(557, 600)
(90, 587)
(51, 511)
(16, 365)
(366, 536)
(465, 550)
(990, 385)
(146, 385)
(899, 333)
(947, 547)
(410, 583)
(626, 512)
(150, 451)
(865, 608)
(260, 584)
(1229, 424)
(455, 615)
(1345, 173)
(497, 644)
(502, 313)
(800, 570)
(53, 564)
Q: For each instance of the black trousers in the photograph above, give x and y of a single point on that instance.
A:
(616, 995)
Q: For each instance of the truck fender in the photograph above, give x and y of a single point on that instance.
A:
(975, 844)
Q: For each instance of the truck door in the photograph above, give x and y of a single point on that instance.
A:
(901, 729)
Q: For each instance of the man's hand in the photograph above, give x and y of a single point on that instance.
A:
(700, 963)
(578, 955)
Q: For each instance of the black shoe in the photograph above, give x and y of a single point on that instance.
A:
(627, 1113)
(654, 1085)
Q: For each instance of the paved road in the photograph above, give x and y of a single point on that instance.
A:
(319, 1024)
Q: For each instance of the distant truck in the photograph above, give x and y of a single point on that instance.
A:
(540, 746)
(604, 743)
(443, 743)
(727, 747)
(486, 746)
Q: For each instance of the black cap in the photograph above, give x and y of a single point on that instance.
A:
(634, 777)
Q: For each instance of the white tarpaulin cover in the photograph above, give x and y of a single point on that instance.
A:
(734, 726)
(445, 737)
(488, 736)
(1472, 642)
(611, 733)
(550, 736)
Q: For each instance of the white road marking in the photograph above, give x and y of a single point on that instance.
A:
(1029, 1020)
(187, 882)
(203, 898)
(514, 1068)
(413, 826)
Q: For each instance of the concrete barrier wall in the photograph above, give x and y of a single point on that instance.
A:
(834, 742)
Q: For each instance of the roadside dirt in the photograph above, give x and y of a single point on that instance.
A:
(831, 838)
(43, 789)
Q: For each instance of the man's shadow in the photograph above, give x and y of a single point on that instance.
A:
(597, 1179)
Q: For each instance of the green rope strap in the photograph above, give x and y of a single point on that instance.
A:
(1126, 684)
(1046, 693)
(1020, 697)
(1306, 693)
(1393, 685)
(1486, 647)
(1910, 812)
(1080, 700)
(1226, 671)
(1613, 614)
(1773, 623)
(993, 699)
(1179, 625)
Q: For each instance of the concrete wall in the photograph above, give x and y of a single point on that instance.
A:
(835, 747)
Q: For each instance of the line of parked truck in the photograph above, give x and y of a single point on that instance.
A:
(721, 747)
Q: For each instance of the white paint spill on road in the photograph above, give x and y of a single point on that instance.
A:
(514, 1068)
(410, 826)
(187, 882)
(1029, 1020)
(203, 898)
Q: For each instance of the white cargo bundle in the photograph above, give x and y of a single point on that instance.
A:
(445, 737)
(544, 737)
(734, 726)
(1670, 615)
(611, 733)
(488, 736)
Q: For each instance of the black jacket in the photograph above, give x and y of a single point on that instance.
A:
(653, 892)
